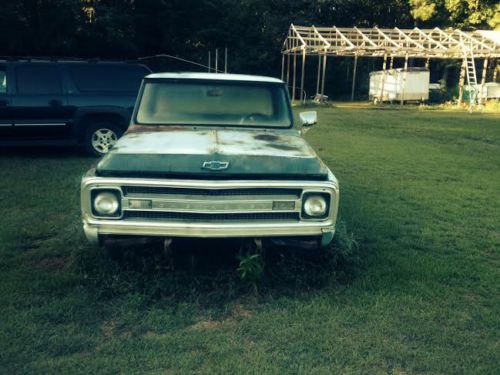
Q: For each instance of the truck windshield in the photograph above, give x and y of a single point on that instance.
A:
(214, 103)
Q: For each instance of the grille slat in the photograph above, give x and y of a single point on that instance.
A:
(152, 190)
(198, 217)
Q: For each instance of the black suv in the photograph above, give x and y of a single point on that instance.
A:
(55, 102)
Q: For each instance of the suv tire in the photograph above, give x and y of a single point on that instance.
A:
(100, 137)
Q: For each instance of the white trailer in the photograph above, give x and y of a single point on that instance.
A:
(399, 85)
(491, 90)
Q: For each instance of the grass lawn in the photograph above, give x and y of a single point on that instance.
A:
(419, 190)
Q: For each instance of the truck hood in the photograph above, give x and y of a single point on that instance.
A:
(187, 152)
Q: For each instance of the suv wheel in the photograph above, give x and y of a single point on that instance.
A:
(101, 137)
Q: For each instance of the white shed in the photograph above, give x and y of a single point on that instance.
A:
(491, 90)
(398, 84)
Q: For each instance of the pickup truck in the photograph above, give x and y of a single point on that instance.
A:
(212, 155)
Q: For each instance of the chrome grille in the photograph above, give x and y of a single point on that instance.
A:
(211, 204)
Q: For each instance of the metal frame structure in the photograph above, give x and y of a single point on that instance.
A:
(394, 43)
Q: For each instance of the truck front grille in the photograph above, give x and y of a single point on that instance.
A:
(211, 204)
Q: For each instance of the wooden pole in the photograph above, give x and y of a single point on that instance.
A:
(323, 78)
(495, 71)
(391, 65)
(354, 77)
(319, 74)
(302, 95)
(483, 80)
(294, 75)
(403, 86)
(461, 83)
(427, 62)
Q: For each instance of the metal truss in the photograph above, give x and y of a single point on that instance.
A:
(419, 43)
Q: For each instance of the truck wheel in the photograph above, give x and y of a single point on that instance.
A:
(99, 138)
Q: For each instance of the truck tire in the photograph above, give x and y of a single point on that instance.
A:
(100, 137)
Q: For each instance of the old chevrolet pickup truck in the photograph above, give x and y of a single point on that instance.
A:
(212, 155)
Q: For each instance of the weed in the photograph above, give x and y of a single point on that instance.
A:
(250, 269)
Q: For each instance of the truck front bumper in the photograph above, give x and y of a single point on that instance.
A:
(95, 230)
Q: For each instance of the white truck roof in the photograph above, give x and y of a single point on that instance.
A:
(215, 76)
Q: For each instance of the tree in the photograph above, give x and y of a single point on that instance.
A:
(458, 13)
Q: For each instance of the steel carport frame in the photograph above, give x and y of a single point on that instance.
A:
(433, 43)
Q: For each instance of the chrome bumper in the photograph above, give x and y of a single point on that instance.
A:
(93, 230)
(97, 227)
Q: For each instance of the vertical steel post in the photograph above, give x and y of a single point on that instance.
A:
(294, 75)
(461, 82)
(403, 86)
(225, 60)
(302, 95)
(391, 64)
(216, 60)
(354, 77)
(427, 62)
(288, 69)
(384, 64)
(318, 80)
(483, 80)
(209, 61)
(323, 78)
(282, 66)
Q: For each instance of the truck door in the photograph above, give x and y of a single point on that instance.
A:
(40, 105)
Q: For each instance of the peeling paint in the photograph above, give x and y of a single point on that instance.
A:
(182, 140)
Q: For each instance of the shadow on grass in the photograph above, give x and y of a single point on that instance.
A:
(43, 152)
(205, 271)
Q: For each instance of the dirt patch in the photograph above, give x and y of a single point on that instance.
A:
(240, 311)
(207, 325)
(56, 263)
(108, 328)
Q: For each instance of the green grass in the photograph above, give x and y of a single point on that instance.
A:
(420, 190)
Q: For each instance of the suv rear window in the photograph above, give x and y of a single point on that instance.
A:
(38, 80)
(107, 78)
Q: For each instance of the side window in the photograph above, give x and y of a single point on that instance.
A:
(114, 78)
(3, 81)
(38, 80)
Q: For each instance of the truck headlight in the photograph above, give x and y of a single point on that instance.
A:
(106, 203)
(315, 205)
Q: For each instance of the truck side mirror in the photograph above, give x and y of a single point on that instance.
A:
(308, 119)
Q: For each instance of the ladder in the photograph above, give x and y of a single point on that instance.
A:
(470, 69)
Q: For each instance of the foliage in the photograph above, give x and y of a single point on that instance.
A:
(422, 9)
(458, 13)
(250, 269)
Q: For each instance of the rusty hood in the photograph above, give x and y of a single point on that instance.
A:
(187, 152)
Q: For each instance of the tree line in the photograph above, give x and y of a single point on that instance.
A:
(252, 30)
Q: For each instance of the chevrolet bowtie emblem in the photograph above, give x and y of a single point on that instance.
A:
(215, 165)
